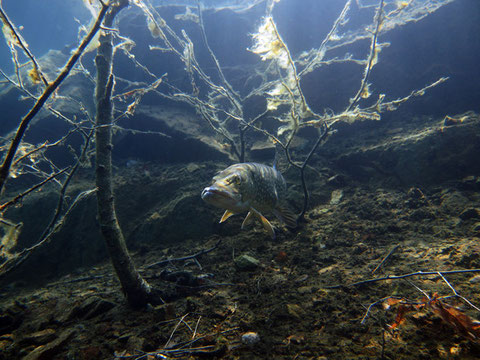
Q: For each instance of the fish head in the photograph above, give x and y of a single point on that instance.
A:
(227, 189)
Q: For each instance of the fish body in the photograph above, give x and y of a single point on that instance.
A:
(253, 188)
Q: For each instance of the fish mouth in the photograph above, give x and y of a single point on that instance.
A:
(219, 197)
(210, 192)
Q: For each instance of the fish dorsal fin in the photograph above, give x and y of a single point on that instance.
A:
(226, 215)
(266, 224)
(285, 215)
(248, 219)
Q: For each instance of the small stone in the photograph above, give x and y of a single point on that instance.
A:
(305, 290)
(11, 318)
(415, 193)
(250, 338)
(336, 197)
(421, 214)
(39, 337)
(470, 213)
(469, 180)
(192, 167)
(317, 213)
(476, 227)
(50, 350)
(246, 262)
(474, 279)
(5, 341)
(134, 343)
(301, 278)
(294, 339)
(276, 279)
(91, 308)
(295, 311)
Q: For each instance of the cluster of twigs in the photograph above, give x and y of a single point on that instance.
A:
(197, 345)
(22, 158)
(224, 109)
(453, 316)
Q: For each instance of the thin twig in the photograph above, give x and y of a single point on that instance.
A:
(196, 327)
(6, 21)
(371, 57)
(33, 188)
(20, 257)
(175, 329)
(65, 185)
(80, 279)
(456, 293)
(393, 277)
(385, 258)
(372, 305)
(194, 256)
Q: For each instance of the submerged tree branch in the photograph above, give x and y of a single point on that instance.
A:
(19, 40)
(18, 258)
(395, 277)
(17, 198)
(7, 162)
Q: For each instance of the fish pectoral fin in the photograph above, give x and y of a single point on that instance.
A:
(287, 216)
(266, 224)
(226, 215)
(248, 219)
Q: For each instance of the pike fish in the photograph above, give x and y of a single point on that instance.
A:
(253, 188)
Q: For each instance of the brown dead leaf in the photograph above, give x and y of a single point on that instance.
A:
(461, 322)
(400, 318)
(390, 302)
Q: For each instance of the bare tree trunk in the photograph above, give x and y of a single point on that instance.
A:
(135, 288)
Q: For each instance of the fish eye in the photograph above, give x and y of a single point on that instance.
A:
(234, 179)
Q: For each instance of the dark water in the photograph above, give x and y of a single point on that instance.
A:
(413, 55)
(445, 43)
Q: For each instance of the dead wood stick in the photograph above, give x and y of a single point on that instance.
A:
(194, 256)
(385, 258)
(80, 279)
(456, 293)
(394, 277)
(369, 308)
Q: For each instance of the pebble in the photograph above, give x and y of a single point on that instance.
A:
(295, 311)
(476, 227)
(39, 337)
(250, 338)
(246, 262)
(336, 197)
(50, 350)
(470, 213)
(474, 280)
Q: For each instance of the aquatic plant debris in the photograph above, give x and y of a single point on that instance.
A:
(451, 315)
